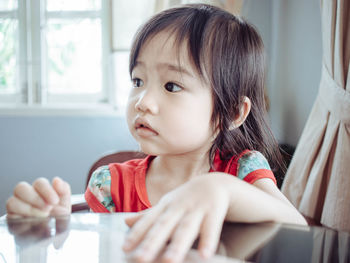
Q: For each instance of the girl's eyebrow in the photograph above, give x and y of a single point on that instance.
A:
(168, 66)
(176, 68)
(139, 63)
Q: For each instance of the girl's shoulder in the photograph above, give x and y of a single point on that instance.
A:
(252, 165)
(100, 187)
(252, 158)
(101, 176)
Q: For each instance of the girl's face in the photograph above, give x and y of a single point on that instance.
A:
(170, 107)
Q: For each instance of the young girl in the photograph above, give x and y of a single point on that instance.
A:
(197, 109)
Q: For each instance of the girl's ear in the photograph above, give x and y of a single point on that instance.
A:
(243, 113)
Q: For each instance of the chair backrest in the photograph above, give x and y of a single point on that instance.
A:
(118, 157)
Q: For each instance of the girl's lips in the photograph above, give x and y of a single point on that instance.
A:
(143, 129)
(145, 132)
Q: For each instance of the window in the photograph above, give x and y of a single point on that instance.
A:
(9, 57)
(55, 52)
(129, 14)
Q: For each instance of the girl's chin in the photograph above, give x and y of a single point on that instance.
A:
(148, 150)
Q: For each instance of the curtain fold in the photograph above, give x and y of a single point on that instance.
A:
(318, 177)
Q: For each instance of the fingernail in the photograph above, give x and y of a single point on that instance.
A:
(206, 253)
(143, 254)
(38, 213)
(55, 201)
(43, 206)
(58, 178)
(59, 183)
(47, 207)
(170, 256)
(127, 245)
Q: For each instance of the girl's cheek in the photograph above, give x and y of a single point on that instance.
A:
(130, 105)
(133, 98)
(130, 113)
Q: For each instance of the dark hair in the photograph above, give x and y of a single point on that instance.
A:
(230, 52)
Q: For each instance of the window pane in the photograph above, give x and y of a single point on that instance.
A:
(73, 5)
(8, 40)
(7, 5)
(127, 17)
(74, 56)
(122, 77)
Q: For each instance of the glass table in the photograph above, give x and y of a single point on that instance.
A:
(89, 237)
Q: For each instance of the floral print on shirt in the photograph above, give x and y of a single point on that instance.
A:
(100, 186)
(250, 162)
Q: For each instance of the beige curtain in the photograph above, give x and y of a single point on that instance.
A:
(318, 179)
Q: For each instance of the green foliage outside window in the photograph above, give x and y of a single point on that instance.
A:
(8, 29)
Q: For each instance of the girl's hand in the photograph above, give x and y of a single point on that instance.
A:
(41, 199)
(196, 208)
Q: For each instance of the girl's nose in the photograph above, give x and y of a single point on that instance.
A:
(147, 102)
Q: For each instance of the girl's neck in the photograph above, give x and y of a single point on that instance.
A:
(166, 173)
(182, 167)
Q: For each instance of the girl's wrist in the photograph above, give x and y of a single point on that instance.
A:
(220, 183)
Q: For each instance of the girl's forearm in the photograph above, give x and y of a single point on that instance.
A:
(248, 203)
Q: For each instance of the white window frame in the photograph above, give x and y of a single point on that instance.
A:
(31, 92)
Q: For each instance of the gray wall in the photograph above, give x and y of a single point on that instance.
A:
(291, 30)
(32, 147)
(36, 146)
(295, 68)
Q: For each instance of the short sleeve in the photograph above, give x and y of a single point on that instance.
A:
(98, 193)
(252, 166)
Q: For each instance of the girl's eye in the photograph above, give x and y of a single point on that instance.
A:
(136, 83)
(172, 87)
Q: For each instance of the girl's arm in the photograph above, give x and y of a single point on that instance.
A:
(199, 208)
(259, 202)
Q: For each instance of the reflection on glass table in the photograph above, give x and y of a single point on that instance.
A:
(87, 237)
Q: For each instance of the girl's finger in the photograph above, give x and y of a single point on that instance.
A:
(139, 229)
(157, 236)
(63, 191)
(43, 187)
(17, 208)
(131, 220)
(27, 194)
(209, 235)
(183, 238)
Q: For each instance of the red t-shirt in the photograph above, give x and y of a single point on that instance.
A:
(121, 187)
